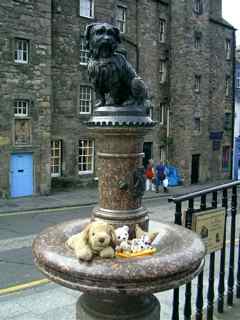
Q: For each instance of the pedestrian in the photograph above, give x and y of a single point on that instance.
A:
(165, 180)
(149, 173)
(160, 175)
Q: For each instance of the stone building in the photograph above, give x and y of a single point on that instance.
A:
(182, 49)
(236, 153)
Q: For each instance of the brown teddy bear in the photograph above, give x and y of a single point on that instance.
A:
(98, 238)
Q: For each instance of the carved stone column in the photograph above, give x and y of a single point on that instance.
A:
(119, 134)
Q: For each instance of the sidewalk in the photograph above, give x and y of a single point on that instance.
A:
(83, 196)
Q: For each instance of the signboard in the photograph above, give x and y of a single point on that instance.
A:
(217, 135)
(210, 226)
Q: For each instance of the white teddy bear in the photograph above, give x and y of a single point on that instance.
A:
(122, 236)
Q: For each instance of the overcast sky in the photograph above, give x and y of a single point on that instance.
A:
(231, 13)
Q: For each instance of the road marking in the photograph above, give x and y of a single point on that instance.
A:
(23, 286)
(16, 213)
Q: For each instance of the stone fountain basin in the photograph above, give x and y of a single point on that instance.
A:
(179, 259)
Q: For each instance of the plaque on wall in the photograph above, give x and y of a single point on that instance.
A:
(210, 226)
(22, 132)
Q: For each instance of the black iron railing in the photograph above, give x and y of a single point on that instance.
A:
(222, 196)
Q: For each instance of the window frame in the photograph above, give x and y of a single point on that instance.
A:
(86, 155)
(163, 71)
(198, 7)
(227, 86)
(91, 8)
(162, 111)
(19, 52)
(197, 83)
(228, 48)
(18, 105)
(197, 40)
(162, 30)
(54, 157)
(197, 124)
(83, 52)
(238, 79)
(122, 21)
(90, 101)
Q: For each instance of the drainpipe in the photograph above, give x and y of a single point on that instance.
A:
(233, 105)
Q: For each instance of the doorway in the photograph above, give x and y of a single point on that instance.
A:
(195, 168)
(21, 174)
(147, 149)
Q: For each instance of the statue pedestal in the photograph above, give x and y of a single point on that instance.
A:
(120, 307)
(119, 133)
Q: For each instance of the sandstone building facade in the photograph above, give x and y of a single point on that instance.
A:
(182, 49)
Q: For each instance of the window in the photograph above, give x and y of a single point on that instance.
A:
(197, 40)
(121, 18)
(87, 8)
(56, 158)
(85, 156)
(197, 124)
(84, 53)
(150, 112)
(197, 83)
(162, 71)
(198, 7)
(162, 31)
(21, 51)
(85, 100)
(21, 108)
(227, 86)
(162, 113)
(238, 80)
(226, 159)
(228, 49)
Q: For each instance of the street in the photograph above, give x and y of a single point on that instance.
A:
(17, 231)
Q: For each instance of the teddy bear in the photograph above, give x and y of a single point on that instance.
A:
(97, 238)
(122, 239)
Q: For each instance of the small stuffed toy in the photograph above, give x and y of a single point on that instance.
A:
(122, 234)
(98, 238)
(149, 236)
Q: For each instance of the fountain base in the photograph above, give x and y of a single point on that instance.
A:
(122, 307)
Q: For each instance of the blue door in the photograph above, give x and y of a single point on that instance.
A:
(21, 174)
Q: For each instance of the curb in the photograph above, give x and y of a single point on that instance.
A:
(22, 209)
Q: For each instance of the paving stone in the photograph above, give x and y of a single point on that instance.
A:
(9, 309)
(43, 302)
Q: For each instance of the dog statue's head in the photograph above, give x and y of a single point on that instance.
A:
(102, 39)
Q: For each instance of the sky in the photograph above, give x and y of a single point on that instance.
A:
(231, 13)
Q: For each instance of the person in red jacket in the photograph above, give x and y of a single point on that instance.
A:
(149, 173)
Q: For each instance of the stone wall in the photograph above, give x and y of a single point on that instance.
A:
(52, 78)
(28, 20)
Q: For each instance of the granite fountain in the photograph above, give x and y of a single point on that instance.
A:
(118, 288)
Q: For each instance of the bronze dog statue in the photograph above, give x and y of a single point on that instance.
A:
(114, 79)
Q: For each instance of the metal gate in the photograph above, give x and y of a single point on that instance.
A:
(228, 280)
